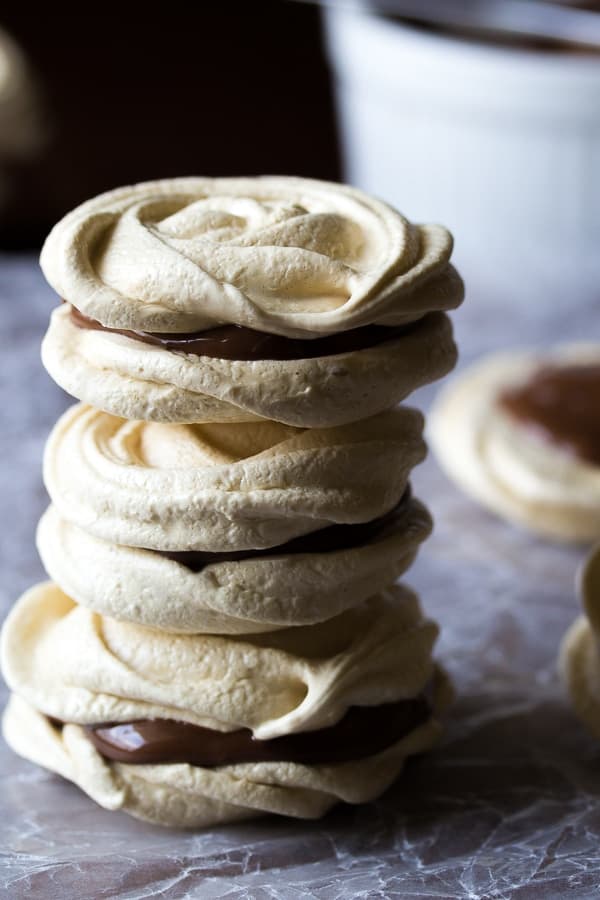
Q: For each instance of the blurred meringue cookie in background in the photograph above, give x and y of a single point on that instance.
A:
(520, 433)
(579, 659)
(228, 299)
(292, 741)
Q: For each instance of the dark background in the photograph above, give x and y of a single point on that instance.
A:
(129, 94)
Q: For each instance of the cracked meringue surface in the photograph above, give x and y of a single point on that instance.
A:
(506, 465)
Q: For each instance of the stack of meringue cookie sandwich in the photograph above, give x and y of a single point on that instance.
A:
(231, 508)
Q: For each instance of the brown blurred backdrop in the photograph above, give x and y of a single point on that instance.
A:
(130, 94)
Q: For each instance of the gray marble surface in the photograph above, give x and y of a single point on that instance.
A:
(508, 806)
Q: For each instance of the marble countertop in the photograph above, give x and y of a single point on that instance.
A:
(508, 806)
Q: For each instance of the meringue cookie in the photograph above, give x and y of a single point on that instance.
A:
(64, 661)
(288, 256)
(82, 668)
(252, 595)
(187, 796)
(136, 380)
(225, 487)
(503, 463)
(579, 659)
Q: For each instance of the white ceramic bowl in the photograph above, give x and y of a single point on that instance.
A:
(499, 143)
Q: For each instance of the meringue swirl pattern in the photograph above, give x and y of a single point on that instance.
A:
(288, 256)
(77, 666)
(222, 487)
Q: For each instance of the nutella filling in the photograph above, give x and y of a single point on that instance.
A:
(562, 404)
(363, 731)
(238, 343)
(325, 540)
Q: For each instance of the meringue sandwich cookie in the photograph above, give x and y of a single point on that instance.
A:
(77, 676)
(253, 259)
(519, 432)
(225, 487)
(138, 380)
(306, 580)
(579, 659)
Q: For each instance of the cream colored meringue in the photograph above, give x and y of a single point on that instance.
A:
(192, 797)
(80, 667)
(139, 381)
(289, 256)
(501, 463)
(253, 595)
(579, 658)
(221, 486)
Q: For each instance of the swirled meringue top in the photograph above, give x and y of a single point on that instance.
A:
(79, 667)
(225, 487)
(289, 256)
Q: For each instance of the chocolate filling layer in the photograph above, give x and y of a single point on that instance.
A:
(562, 403)
(238, 343)
(325, 540)
(364, 731)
